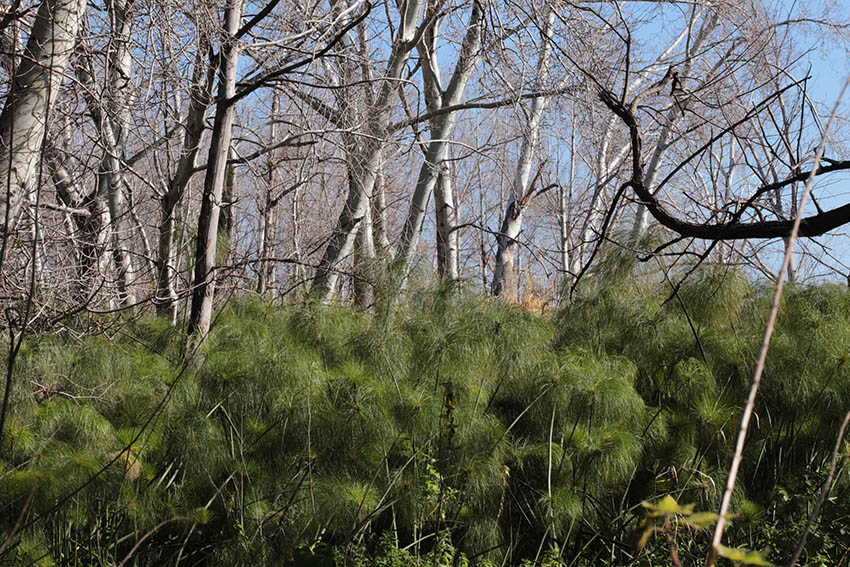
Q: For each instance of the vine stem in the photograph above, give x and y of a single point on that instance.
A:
(768, 333)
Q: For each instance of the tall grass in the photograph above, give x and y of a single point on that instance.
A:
(458, 425)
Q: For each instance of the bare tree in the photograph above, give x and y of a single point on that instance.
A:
(521, 190)
(469, 57)
(34, 87)
(356, 206)
(200, 97)
(208, 220)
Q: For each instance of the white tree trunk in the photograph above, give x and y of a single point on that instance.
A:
(203, 76)
(356, 205)
(111, 115)
(364, 263)
(446, 211)
(520, 190)
(441, 130)
(24, 118)
(205, 255)
(115, 123)
(444, 200)
(379, 225)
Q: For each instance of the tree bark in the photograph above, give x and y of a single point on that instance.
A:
(564, 198)
(114, 123)
(205, 255)
(23, 121)
(446, 212)
(441, 130)
(364, 264)
(356, 205)
(200, 97)
(521, 191)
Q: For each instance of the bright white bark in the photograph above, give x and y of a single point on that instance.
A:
(441, 130)
(446, 209)
(521, 191)
(24, 118)
(114, 124)
(356, 205)
(364, 263)
(379, 225)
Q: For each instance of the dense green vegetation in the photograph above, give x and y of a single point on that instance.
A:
(458, 430)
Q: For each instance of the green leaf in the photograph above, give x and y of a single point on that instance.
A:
(744, 556)
(201, 515)
(701, 520)
(667, 506)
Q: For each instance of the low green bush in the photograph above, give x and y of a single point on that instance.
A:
(460, 431)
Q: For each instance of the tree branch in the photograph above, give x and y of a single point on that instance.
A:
(271, 75)
(811, 226)
(470, 105)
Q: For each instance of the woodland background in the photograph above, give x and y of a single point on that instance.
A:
(211, 210)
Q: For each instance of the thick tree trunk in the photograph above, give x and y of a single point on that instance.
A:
(446, 212)
(379, 224)
(114, 123)
(205, 255)
(111, 114)
(364, 264)
(23, 121)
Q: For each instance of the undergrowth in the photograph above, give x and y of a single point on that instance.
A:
(459, 431)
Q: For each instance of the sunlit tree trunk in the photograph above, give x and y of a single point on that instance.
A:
(33, 89)
(111, 114)
(205, 255)
(114, 123)
(441, 130)
(521, 191)
(379, 224)
(364, 264)
(446, 211)
(203, 76)
(356, 204)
